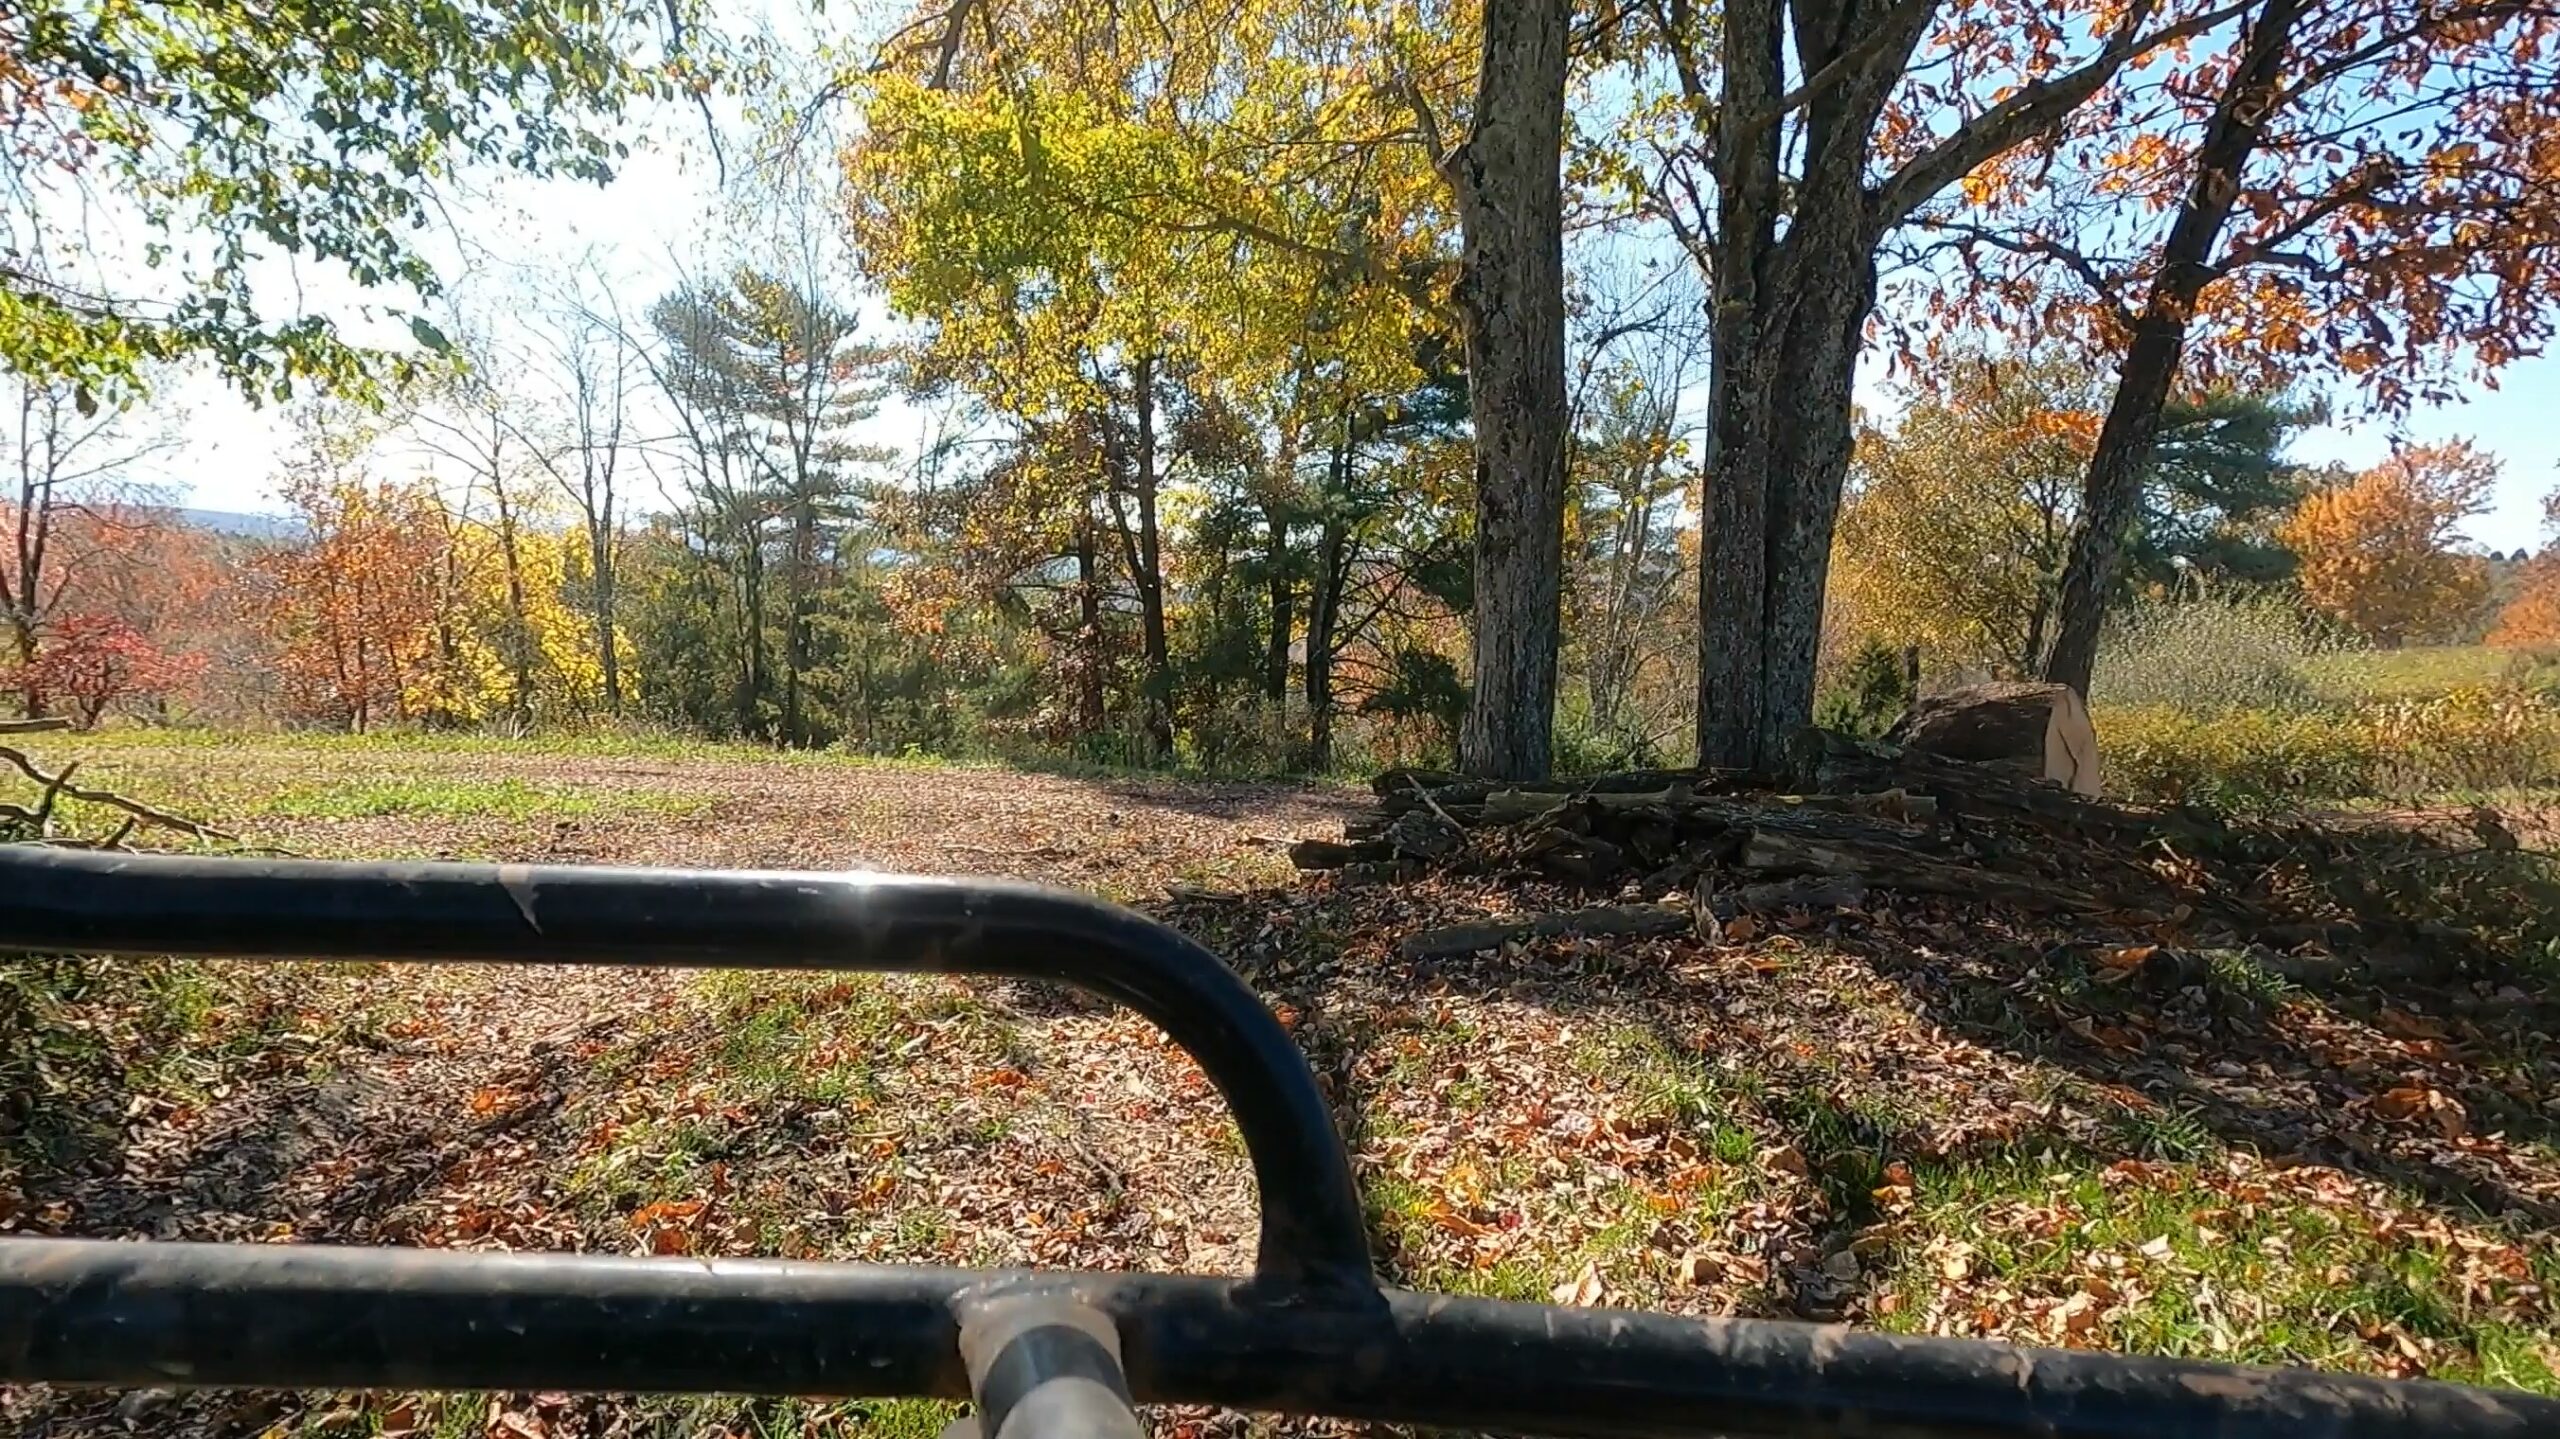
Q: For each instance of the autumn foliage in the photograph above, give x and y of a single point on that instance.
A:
(2377, 553)
(356, 602)
(90, 664)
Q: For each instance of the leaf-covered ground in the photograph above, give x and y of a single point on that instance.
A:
(1902, 1117)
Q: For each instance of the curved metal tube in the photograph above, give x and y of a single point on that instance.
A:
(106, 903)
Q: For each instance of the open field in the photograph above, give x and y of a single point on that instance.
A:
(1896, 1120)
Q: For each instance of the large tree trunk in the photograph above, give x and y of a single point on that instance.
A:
(1089, 696)
(1790, 315)
(1791, 304)
(1324, 610)
(1511, 290)
(2111, 495)
(1146, 564)
(1275, 561)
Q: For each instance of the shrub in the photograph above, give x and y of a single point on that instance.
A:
(2244, 760)
(2207, 655)
(2474, 738)
(1872, 692)
(2465, 741)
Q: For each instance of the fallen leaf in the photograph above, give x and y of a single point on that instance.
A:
(1700, 1267)
(1457, 1223)
(2452, 1120)
(1581, 1292)
(2406, 1102)
(1786, 1159)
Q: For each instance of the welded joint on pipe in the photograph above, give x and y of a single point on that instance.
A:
(1042, 1365)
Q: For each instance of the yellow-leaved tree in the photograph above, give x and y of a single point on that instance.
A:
(2377, 552)
(1959, 519)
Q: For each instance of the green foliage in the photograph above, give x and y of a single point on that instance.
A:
(1873, 690)
(1421, 687)
(309, 129)
(2354, 675)
(2218, 485)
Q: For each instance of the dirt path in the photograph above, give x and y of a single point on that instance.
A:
(328, 1141)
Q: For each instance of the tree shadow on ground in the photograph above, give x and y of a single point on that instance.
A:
(1851, 1025)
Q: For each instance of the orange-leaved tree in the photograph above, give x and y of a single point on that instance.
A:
(2531, 618)
(357, 605)
(2367, 191)
(2377, 551)
(92, 663)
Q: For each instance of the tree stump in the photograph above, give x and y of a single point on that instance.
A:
(2039, 730)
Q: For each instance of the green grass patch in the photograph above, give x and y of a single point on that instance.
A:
(2191, 1272)
(456, 797)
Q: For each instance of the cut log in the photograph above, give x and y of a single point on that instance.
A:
(1609, 920)
(2039, 730)
(1322, 854)
(1880, 866)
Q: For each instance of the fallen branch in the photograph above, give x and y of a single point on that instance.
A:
(59, 786)
(1625, 921)
(34, 726)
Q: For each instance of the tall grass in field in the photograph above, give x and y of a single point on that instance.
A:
(2210, 655)
(2244, 703)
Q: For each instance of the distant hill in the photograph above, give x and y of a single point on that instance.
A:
(235, 523)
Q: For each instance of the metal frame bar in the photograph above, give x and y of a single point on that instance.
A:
(1310, 1333)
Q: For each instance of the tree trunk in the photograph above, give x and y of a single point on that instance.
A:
(1791, 304)
(1511, 291)
(1275, 662)
(31, 695)
(1089, 697)
(2111, 494)
(801, 603)
(751, 599)
(1158, 707)
(519, 622)
(600, 559)
(1324, 609)
(1782, 441)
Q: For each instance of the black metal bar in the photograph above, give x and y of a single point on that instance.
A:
(74, 1311)
(105, 903)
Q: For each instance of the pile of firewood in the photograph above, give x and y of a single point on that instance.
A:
(1694, 849)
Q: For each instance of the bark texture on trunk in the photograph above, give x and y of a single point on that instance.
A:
(1790, 305)
(1283, 596)
(1324, 602)
(2111, 494)
(1146, 568)
(1508, 175)
(1089, 696)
